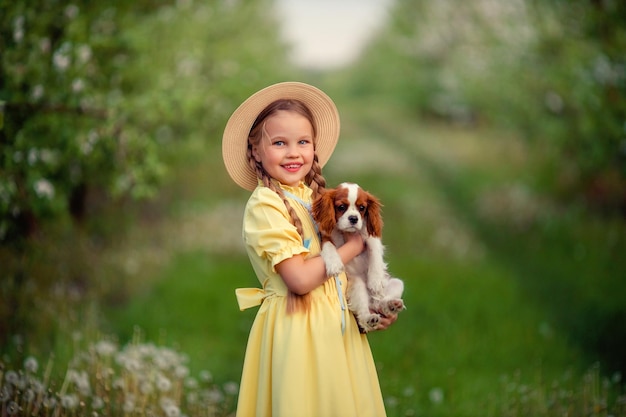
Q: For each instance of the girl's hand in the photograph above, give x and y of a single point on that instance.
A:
(355, 242)
(386, 321)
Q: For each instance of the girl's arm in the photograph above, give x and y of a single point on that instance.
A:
(304, 275)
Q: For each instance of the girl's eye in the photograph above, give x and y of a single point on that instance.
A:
(341, 208)
(305, 142)
(279, 143)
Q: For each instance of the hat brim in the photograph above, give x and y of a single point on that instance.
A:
(235, 138)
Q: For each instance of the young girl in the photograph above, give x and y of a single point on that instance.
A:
(305, 354)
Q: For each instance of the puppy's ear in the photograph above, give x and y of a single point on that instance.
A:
(373, 217)
(323, 211)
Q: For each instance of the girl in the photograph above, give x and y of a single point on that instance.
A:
(305, 354)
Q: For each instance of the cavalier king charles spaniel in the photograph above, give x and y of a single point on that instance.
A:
(371, 290)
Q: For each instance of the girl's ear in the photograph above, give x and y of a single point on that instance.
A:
(323, 211)
(374, 218)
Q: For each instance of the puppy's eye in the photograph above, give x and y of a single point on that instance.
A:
(362, 208)
(341, 208)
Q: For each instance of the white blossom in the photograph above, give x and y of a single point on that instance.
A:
(44, 188)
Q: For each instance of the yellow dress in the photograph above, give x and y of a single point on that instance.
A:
(305, 364)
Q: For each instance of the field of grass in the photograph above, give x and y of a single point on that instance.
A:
(482, 335)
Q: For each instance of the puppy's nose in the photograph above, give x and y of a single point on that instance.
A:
(353, 219)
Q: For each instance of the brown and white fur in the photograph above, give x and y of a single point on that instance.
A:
(349, 208)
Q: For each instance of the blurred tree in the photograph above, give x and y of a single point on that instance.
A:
(92, 94)
(553, 70)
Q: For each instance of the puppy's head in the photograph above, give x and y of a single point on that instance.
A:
(348, 208)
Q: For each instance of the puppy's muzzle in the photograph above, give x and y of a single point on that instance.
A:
(353, 220)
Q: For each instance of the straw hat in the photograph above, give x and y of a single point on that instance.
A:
(235, 139)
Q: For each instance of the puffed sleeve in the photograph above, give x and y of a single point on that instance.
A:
(268, 230)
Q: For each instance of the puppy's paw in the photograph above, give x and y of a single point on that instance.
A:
(369, 322)
(332, 260)
(393, 307)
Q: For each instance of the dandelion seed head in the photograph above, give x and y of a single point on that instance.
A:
(231, 388)
(12, 378)
(181, 371)
(69, 401)
(146, 388)
(214, 396)
(129, 405)
(105, 348)
(191, 383)
(13, 408)
(436, 395)
(97, 403)
(163, 383)
(5, 394)
(31, 365)
(206, 376)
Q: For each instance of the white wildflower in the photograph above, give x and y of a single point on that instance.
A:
(436, 395)
(69, 401)
(38, 92)
(191, 383)
(145, 387)
(105, 348)
(18, 29)
(44, 188)
(5, 394)
(84, 54)
(97, 403)
(206, 376)
(78, 85)
(129, 404)
(44, 45)
(33, 156)
(231, 388)
(61, 58)
(31, 365)
(181, 371)
(71, 11)
(163, 383)
(81, 379)
(119, 383)
(172, 411)
(13, 408)
(214, 396)
(169, 406)
(12, 377)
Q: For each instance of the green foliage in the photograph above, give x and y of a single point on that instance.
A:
(553, 71)
(98, 95)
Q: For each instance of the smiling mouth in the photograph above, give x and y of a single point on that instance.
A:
(292, 167)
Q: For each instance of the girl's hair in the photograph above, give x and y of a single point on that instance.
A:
(313, 179)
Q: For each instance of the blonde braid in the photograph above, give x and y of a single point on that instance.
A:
(315, 179)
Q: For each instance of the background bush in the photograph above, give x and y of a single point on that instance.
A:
(552, 70)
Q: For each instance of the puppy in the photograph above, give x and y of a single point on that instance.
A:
(349, 208)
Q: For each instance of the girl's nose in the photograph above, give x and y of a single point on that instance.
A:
(292, 150)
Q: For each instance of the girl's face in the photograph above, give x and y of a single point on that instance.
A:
(286, 149)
